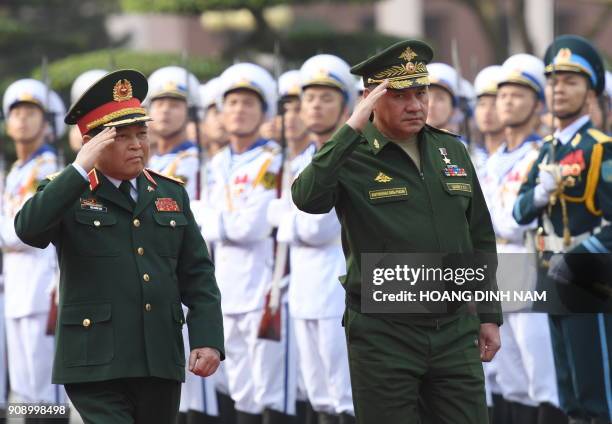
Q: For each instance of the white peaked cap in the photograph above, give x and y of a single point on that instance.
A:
(175, 82)
(290, 84)
(330, 71)
(33, 91)
(83, 82)
(248, 76)
(524, 69)
(486, 81)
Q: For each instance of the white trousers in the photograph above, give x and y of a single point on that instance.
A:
(3, 364)
(525, 367)
(30, 360)
(260, 373)
(324, 364)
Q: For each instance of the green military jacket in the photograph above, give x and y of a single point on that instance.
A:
(587, 161)
(385, 204)
(123, 275)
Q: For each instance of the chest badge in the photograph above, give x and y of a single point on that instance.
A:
(382, 178)
(92, 204)
(166, 204)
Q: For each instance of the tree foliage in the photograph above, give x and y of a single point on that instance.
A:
(63, 72)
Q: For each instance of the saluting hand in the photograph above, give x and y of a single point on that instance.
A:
(204, 361)
(488, 341)
(363, 110)
(91, 149)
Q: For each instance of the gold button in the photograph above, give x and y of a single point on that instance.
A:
(173, 223)
(86, 322)
(148, 307)
(146, 277)
(137, 222)
(140, 251)
(97, 223)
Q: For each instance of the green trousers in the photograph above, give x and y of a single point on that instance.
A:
(415, 371)
(127, 401)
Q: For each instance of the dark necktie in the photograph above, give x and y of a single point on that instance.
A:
(125, 188)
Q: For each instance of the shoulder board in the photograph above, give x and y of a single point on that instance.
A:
(599, 136)
(442, 131)
(167, 177)
(548, 138)
(51, 177)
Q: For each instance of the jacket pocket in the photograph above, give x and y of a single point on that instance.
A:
(178, 321)
(95, 234)
(169, 232)
(87, 335)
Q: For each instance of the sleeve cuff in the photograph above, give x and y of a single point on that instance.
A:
(81, 171)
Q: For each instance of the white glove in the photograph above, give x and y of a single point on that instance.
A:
(277, 209)
(550, 178)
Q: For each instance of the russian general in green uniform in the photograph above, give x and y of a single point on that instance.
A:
(130, 253)
(569, 192)
(399, 186)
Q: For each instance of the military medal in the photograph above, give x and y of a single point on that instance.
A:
(444, 155)
(450, 170)
(166, 204)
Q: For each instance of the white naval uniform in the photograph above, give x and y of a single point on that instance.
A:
(29, 277)
(316, 297)
(260, 373)
(197, 393)
(180, 162)
(525, 365)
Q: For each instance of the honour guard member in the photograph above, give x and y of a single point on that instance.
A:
(316, 299)
(569, 191)
(29, 272)
(242, 182)
(443, 92)
(173, 91)
(130, 253)
(79, 86)
(325, 106)
(396, 359)
(525, 367)
(485, 112)
(214, 137)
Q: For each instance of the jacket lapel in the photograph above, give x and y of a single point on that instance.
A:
(146, 192)
(108, 191)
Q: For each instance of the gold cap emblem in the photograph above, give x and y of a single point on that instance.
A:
(122, 91)
(408, 55)
(563, 56)
(382, 178)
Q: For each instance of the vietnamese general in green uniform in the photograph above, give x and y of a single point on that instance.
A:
(400, 186)
(130, 253)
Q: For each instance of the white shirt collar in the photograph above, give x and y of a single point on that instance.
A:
(117, 182)
(566, 135)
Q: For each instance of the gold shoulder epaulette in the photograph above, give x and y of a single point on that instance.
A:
(168, 177)
(548, 138)
(51, 177)
(599, 136)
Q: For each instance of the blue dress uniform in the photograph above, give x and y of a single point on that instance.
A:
(570, 229)
(127, 262)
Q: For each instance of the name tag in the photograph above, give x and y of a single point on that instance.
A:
(388, 192)
(92, 205)
(459, 187)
